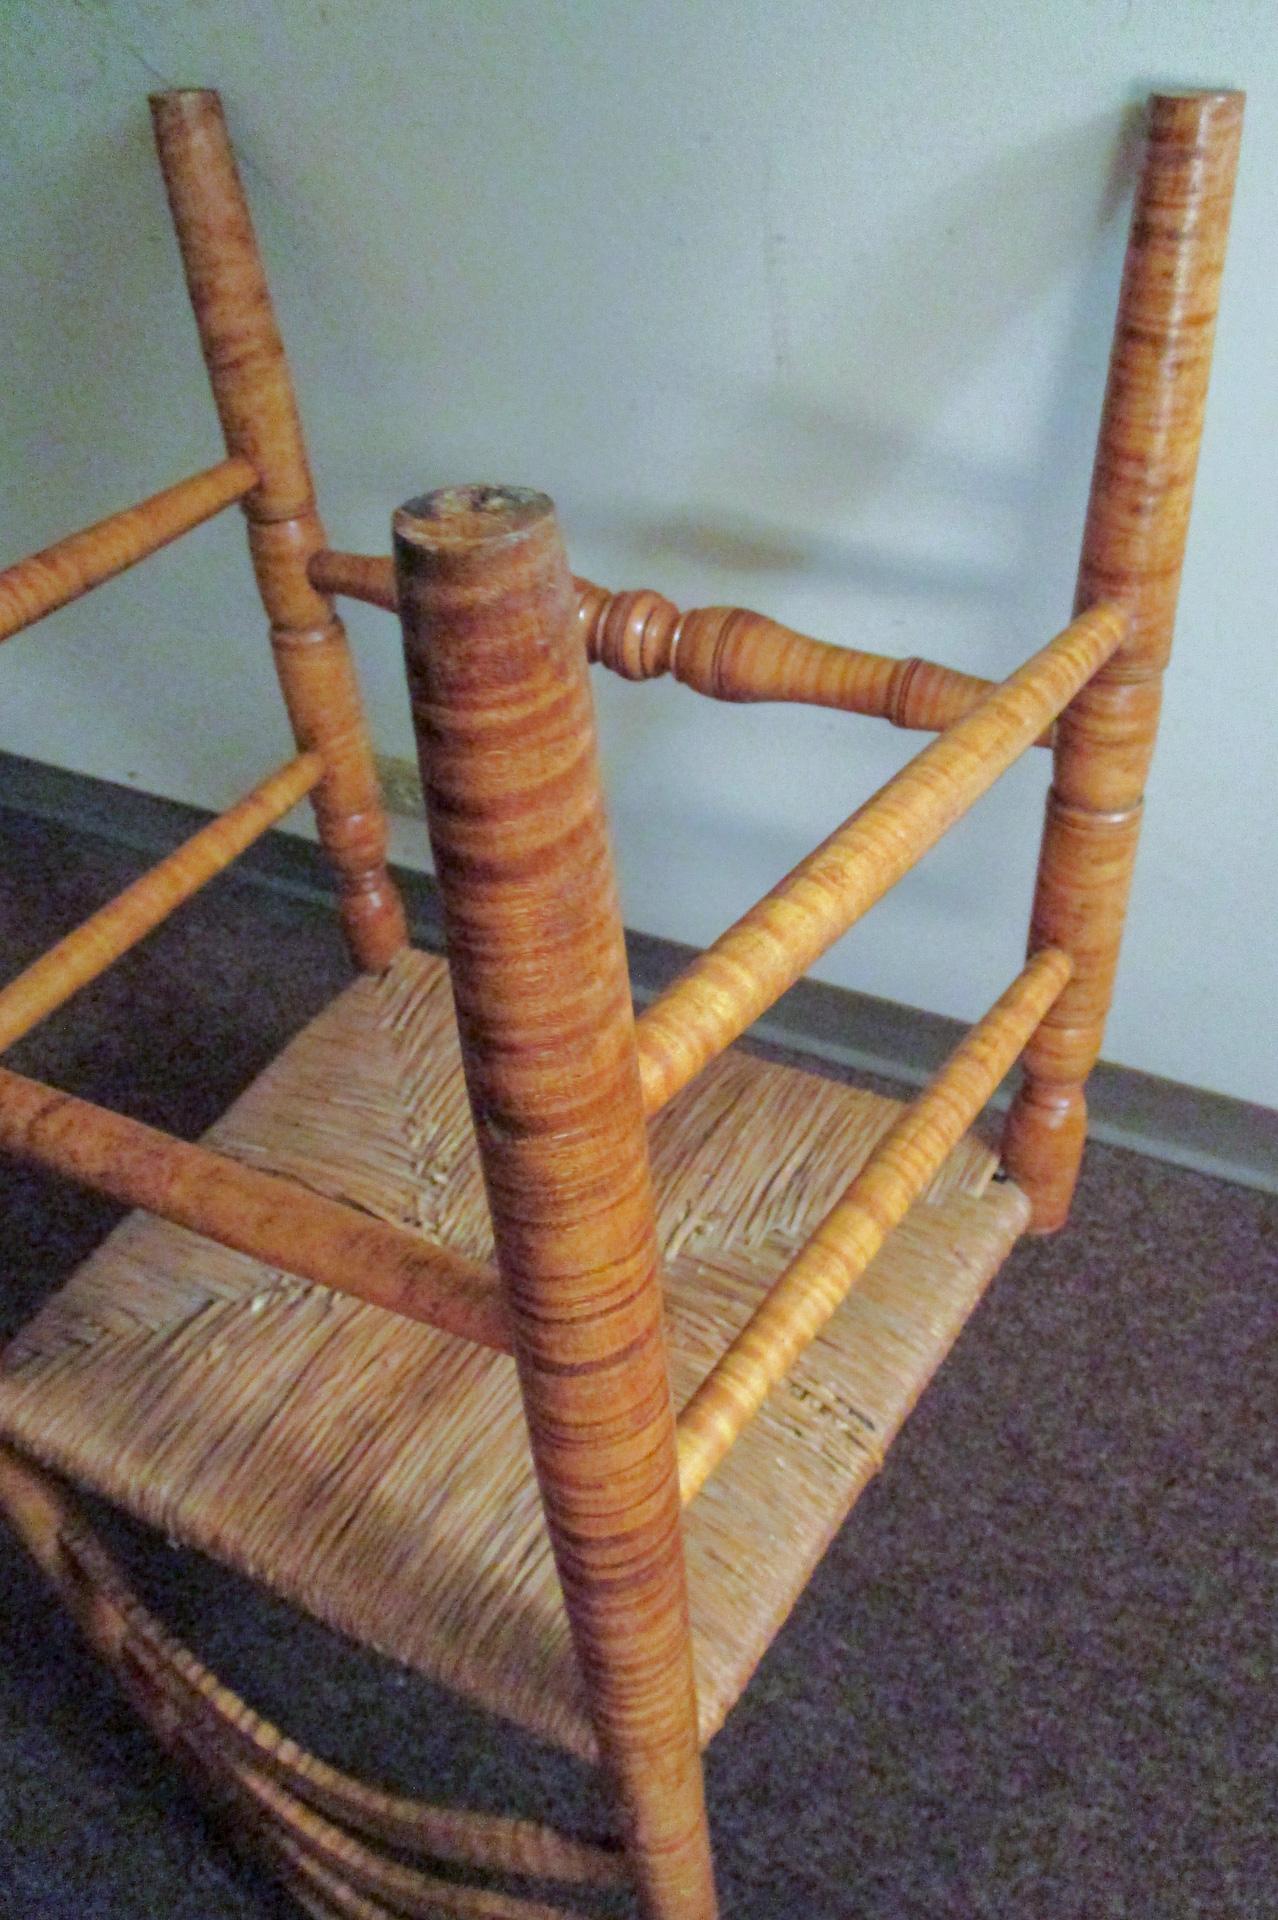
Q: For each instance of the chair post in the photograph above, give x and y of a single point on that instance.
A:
(1133, 549)
(501, 704)
(255, 402)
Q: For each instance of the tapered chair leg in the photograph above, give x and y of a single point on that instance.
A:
(501, 703)
(255, 401)
(1133, 549)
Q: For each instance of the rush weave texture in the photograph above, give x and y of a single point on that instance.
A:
(377, 1470)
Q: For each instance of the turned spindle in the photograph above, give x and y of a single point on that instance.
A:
(1133, 550)
(505, 728)
(729, 653)
(739, 976)
(253, 392)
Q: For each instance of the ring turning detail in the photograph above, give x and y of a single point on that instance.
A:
(495, 1323)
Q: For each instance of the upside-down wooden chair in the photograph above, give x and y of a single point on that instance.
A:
(410, 1340)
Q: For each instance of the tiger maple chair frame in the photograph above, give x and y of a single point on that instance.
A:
(498, 637)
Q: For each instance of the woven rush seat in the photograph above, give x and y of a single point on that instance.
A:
(410, 1369)
(377, 1471)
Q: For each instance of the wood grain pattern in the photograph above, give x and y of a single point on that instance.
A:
(385, 1479)
(833, 1259)
(60, 972)
(59, 574)
(1133, 551)
(303, 1841)
(410, 1826)
(729, 653)
(376, 1471)
(501, 704)
(255, 1213)
(724, 652)
(255, 402)
(772, 945)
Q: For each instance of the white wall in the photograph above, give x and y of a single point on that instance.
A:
(800, 306)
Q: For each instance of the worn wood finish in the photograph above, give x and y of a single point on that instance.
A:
(61, 573)
(771, 946)
(822, 1274)
(724, 652)
(254, 396)
(51, 980)
(358, 576)
(254, 1213)
(501, 704)
(1133, 550)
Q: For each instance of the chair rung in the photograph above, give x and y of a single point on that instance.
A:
(324, 1813)
(271, 1219)
(358, 576)
(799, 1303)
(729, 653)
(58, 574)
(724, 652)
(412, 1827)
(324, 1854)
(100, 940)
(985, 726)
(774, 943)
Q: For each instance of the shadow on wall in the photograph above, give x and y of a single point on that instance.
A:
(932, 322)
(823, 457)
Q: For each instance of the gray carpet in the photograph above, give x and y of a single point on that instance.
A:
(1034, 1676)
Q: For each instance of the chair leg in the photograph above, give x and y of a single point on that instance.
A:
(501, 703)
(255, 401)
(1133, 549)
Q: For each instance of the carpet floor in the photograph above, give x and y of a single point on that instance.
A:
(1033, 1676)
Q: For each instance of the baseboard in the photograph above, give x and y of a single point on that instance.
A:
(1187, 1126)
